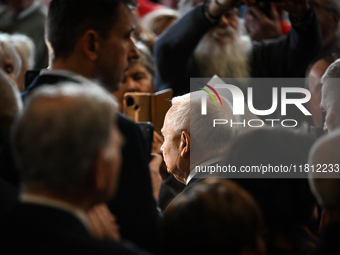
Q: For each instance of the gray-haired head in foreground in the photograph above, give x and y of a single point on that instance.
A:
(324, 182)
(333, 71)
(10, 105)
(59, 134)
(187, 117)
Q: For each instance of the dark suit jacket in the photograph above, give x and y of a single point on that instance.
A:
(8, 197)
(134, 204)
(37, 229)
(191, 184)
(329, 240)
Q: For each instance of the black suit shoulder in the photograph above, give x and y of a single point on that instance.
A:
(39, 229)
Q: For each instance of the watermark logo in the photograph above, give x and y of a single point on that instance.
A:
(239, 102)
(213, 90)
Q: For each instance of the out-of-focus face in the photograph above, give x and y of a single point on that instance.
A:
(117, 51)
(314, 86)
(327, 17)
(171, 149)
(227, 29)
(137, 79)
(7, 65)
(330, 105)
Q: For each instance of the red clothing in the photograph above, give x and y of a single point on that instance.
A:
(146, 6)
(285, 27)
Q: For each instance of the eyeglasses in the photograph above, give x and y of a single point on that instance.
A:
(322, 6)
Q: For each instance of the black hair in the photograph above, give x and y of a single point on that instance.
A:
(68, 20)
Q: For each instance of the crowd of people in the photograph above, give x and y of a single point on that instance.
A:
(75, 174)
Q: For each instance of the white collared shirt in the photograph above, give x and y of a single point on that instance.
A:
(205, 163)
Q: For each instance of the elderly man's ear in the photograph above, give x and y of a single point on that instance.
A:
(185, 144)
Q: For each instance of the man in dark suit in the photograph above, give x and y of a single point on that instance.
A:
(63, 176)
(92, 40)
(324, 181)
(189, 143)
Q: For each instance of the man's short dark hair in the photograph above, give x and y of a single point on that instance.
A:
(69, 19)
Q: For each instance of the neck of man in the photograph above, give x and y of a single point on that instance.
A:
(74, 65)
(82, 202)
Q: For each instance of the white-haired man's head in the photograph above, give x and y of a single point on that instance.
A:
(325, 155)
(330, 95)
(189, 136)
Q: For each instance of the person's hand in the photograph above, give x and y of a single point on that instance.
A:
(102, 223)
(297, 8)
(156, 179)
(261, 27)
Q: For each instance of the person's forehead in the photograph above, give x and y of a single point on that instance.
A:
(137, 65)
(7, 60)
(320, 67)
(167, 119)
(124, 19)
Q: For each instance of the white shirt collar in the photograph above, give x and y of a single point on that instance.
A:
(205, 163)
(50, 202)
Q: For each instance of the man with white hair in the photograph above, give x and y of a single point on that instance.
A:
(330, 95)
(189, 138)
(63, 176)
(207, 41)
(326, 188)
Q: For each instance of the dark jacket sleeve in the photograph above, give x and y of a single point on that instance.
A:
(175, 47)
(289, 56)
(134, 204)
